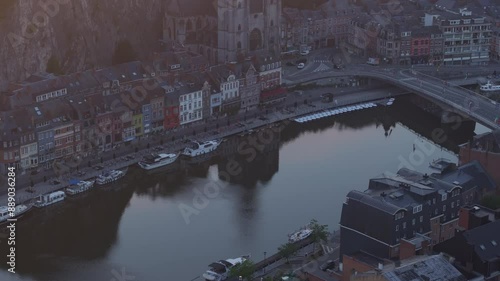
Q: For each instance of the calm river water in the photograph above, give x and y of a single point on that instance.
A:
(137, 226)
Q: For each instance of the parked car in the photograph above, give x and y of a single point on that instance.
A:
(81, 173)
(98, 167)
(304, 53)
(327, 265)
(301, 65)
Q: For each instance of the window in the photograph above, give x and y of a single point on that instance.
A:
(413, 222)
(400, 215)
(444, 196)
(417, 209)
(444, 208)
(452, 204)
(397, 227)
(404, 225)
(421, 218)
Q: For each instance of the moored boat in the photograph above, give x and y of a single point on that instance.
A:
(489, 87)
(80, 187)
(111, 176)
(219, 270)
(154, 161)
(300, 234)
(19, 211)
(196, 149)
(49, 199)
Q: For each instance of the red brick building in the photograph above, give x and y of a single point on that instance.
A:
(420, 46)
(484, 148)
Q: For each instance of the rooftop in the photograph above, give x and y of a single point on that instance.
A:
(433, 268)
(486, 240)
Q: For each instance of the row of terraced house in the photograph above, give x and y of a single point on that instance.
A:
(50, 117)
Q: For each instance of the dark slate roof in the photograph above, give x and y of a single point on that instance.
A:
(434, 268)
(486, 240)
(219, 73)
(16, 123)
(376, 202)
(125, 72)
(469, 176)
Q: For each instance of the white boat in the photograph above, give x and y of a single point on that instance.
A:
(195, 148)
(111, 176)
(220, 270)
(488, 87)
(154, 161)
(300, 235)
(80, 187)
(49, 199)
(19, 211)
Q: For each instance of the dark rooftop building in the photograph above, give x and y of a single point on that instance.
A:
(484, 148)
(476, 250)
(408, 208)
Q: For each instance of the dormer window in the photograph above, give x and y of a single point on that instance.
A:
(444, 196)
(417, 209)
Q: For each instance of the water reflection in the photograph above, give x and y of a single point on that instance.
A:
(402, 112)
(85, 231)
(84, 228)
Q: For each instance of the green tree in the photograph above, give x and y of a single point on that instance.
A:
(54, 67)
(319, 233)
(491, 201)
(245, 270)
(124, 52)
(287, 250)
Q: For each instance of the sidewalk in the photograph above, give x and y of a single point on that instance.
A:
(347, 96)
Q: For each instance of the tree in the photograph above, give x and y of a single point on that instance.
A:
(245, 270)
(491, 201)
(124, 53)
(54, 67)
(287, 250)
(319, 232)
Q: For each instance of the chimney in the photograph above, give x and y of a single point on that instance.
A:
(463, 217)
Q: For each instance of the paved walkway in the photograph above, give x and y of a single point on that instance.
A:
(344, 96)
(302, 260)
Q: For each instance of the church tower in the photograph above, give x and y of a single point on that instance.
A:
(245, 26)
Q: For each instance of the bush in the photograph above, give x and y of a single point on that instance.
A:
(53, 66)
(124, 53)
(492, 202)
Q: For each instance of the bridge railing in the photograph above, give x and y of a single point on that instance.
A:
(458, 87)
(462, 92)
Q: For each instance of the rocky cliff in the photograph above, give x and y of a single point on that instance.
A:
(80, 34)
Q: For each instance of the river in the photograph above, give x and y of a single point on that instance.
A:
(158, 227)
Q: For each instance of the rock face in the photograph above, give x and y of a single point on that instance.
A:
(80, 34)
